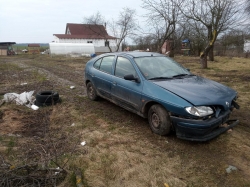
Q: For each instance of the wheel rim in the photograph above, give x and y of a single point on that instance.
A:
(156, 122)
(91, 92)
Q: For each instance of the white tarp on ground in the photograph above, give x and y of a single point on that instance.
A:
(71, 48)
(24, 98)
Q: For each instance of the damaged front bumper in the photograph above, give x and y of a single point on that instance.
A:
(202, 130)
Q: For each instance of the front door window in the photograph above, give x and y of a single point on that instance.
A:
(124, 67)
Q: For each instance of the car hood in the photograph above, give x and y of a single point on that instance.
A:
(199, 91)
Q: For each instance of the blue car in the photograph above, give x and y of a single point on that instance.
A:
(158, 88)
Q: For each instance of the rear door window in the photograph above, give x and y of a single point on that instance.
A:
(97, 63)
(106, 64)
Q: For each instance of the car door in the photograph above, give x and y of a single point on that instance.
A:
(126, 93)
(102, 77)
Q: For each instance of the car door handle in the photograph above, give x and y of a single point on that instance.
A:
(114, 83)
(92, 74)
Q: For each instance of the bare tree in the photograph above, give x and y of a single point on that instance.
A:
(247, 5)
(163, 18)
(125, 26)
(196, 33)
(145, 42)
(96, 19)
(233, 41)
(216, 15)
(247, 12)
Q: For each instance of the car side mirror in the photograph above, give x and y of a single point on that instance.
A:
(131, 77)
(188, 69)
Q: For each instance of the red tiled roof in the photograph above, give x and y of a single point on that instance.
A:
(68, 36)
(85, 31)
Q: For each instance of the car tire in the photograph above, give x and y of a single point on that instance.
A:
(37, 103)
(159, 120)
(91, 91)
(47, 97)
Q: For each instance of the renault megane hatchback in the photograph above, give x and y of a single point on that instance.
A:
(158, 88)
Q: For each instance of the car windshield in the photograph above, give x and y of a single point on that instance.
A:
(160, 67)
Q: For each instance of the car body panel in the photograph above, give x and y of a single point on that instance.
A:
(127, 93)
(102, 82)
(169, 100)
(199, 91)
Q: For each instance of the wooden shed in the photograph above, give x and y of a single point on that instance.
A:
(34, 48)
(186, 47)
(6, 48)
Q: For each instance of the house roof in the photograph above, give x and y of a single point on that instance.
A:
(84, 31)
(7, 43)
(68, 36)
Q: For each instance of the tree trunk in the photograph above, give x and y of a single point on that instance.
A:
(203, 57)
(204, 54)
(171, 52)
(211, 54)
(159, 48)
(203, 61)
(198, 52)
(209, 48)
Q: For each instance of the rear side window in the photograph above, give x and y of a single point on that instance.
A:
(124, 67)
(106, 64)
(97, 63)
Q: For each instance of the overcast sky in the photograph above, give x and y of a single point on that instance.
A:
(35, 21)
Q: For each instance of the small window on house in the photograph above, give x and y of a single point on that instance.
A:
(106, 43)
(89, 42)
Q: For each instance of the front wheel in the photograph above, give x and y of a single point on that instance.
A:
(159, 120)
(91, 92)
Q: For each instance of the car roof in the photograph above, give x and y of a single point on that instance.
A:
(135, 54)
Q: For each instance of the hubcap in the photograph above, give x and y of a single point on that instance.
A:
(156, 120)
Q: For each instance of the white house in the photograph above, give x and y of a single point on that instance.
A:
(87, 33)
(247, 46)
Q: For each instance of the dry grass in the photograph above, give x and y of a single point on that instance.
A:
(120, 149)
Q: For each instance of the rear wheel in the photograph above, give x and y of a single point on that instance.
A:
(91, 92)
(159, 120)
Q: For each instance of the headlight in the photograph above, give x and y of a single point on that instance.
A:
(199, 111)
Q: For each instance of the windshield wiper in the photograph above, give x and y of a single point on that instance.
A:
(182, 75)
(154, 78)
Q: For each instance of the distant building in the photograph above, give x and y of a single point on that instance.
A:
(87, 33)
(6, 48)
(186, 47)
(34, 48)
(247, 46)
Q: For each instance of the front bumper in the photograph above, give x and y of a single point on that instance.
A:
(202, 130)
